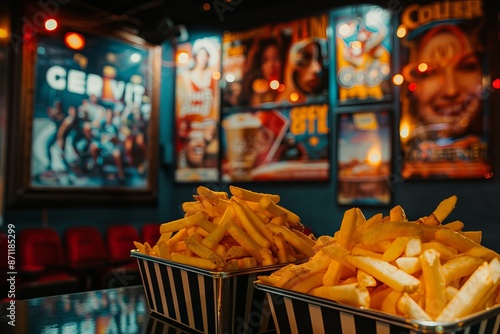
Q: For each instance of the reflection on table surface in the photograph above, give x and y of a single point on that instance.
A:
(120, 310)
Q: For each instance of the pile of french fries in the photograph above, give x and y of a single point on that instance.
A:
(222, 233)
(421, 270)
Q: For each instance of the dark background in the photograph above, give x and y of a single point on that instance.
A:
(478, 200)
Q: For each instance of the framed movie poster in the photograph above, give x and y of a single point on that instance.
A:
(88, 122)
(276, 64)
(197, 111)
(444, 103)
(289, 144)
(364, 158)
(363, 54)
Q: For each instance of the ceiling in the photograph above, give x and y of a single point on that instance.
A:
(159, 19)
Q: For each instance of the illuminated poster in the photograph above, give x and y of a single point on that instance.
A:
(91, 114)
(276, 64)
(363, 44)
(364, 158)
(444, 103)
(267, 145)
(197, 110)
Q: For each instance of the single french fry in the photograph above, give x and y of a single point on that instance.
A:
(247, 262)
(463, 244)
(178, 247)
(293, 239)
(206, 225)
(390, 230)
(181, 223)
(390, 302)
(407, 306)
(236, 252)
(333, 274)
(456, 225)
(413, 247)
(469, 295)
(445, 252)
(148, 249)
(475, 236)
(313, 281)
(434, 281)
(194, 261)
(445, 208)
(211, 195)
(194, 206)
(220, 230)
(366, 279)
(397, 214)
(370, 222)
(460, 266)
(352, 294)
(360, 218)
(409, 265)
(396, 249)
(251, 196)
(347, 228)
(385, 272)
(365, 252)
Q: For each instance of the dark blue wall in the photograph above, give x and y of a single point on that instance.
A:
(478, 200)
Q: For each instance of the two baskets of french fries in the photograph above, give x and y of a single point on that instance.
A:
(201, 271)
(424, 275)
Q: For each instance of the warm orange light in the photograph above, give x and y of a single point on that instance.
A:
(404, 131)
(216, 75)
(4, 33)
(281, 88)
(422, 67)
(74, 41)
(397, 79)
(374, 156)
(401, 32)
(294, 97)
(182, 57)
(274, 84)
(50, 25)
(206, 6)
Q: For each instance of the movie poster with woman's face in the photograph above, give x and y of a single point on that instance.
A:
(197, 110)
(284, 63)
(363, 43)
(444, 112)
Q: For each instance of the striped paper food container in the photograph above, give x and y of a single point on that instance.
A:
(295, 312)
(206, 301)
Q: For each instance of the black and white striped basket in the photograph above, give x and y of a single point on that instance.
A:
(295, 312)
(206, 301)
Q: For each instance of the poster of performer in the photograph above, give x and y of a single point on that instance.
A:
(290, 144)
(91, 114)
(276, 64)
(444, 103)
(363, 59)
(197, 110)
(364, 158)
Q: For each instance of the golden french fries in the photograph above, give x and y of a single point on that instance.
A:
(424, 269)
(223, 233)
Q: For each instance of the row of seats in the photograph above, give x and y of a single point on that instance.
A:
(81, 259)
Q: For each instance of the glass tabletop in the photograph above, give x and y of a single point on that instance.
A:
(120, 310)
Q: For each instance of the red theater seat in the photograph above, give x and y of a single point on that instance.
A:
(151, 233)
(86, 255)
(42, 264)
(119, 242)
